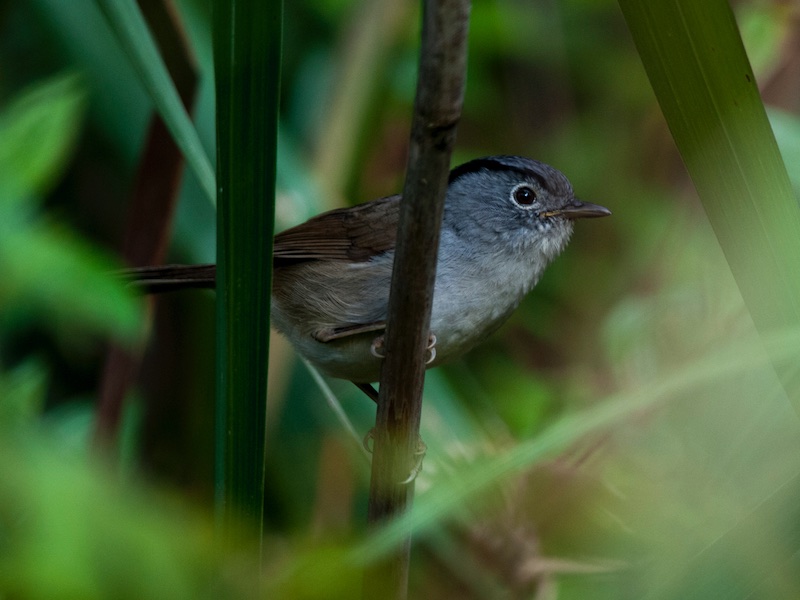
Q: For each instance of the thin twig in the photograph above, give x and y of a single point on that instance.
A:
(437, 109)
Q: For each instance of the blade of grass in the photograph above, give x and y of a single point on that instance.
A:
(457, 490)
(699, 71)
(247, 43)
(336, 407)
(130, 28)
(770, 532)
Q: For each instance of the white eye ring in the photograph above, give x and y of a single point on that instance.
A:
(524, 196)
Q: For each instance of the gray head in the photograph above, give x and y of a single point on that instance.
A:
(514, 204)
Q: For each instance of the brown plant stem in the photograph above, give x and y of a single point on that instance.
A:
(437, 109)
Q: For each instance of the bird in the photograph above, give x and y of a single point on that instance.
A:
(506, 218)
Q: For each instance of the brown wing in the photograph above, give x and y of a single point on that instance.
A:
(355, 234)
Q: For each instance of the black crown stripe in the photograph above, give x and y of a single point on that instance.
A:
(493, 164)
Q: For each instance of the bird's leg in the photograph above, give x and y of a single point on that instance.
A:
(370, 391)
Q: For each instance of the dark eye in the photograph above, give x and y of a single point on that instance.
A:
(524, 195)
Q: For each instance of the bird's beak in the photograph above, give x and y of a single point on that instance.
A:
(578, 210)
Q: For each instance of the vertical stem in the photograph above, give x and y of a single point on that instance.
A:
(247, 41)
(437, 109)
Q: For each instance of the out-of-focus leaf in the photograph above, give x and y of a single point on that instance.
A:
(37, 131)
(44, 267)
(22, 393)
(787, 133)
(766, 533)
(68, 531)
(764, 29)
(66, 279)
(118, 104)
(455, 490)
(700, 73)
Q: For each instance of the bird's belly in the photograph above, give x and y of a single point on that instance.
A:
(465, 314)
(349, 358)
(467, 307)
(460, 326)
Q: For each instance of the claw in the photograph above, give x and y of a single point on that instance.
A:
(431, 349)
(419, 453)
(369, 437)
(376, 348)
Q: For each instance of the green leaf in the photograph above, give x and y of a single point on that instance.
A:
(247, 44)
(37, 131)
(787, 132)
(22, 394)
(56, 273)
(68, 530)
(699, 71)
(45, 268)
(128, 24)
(458, 488)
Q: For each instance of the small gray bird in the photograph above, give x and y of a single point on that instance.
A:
(505, 219)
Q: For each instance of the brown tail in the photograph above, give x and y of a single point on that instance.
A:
(170, 278)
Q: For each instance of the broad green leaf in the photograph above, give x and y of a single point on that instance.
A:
(699, 71)
(787, 132)
(247, 54)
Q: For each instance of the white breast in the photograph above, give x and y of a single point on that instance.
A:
(472, 299)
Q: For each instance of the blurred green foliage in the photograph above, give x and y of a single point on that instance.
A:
(48, 272)
(623, 436)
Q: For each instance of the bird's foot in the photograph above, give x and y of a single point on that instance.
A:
(378, 346)
(431, 349)
(419, 455)
(370, 391)
(369, 440)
